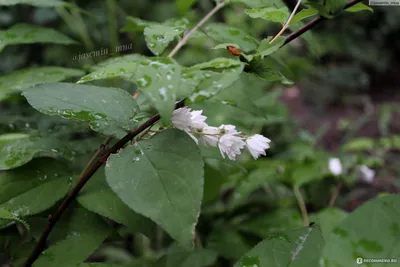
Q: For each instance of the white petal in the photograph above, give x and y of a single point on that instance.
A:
(229, 129)
(257, 144)
(335, 166)
(181, 118)
(198, 120)
(210, 136)
(231, 145)
(367, 175)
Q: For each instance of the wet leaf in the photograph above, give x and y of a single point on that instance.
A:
(17, 149)
(159, 80)
(98, 197)
(29, 34)
(295, 248)
(84, 233)
(221, 73)
(120, 67)
(158, 37)
(110, 111)
(226, 34)
(269, 13)
(161, 178)
(23, 79)
(372, 231)
(34, 187)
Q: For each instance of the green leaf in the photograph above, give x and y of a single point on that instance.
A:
(334, 7)
(184, 5)
(269, 13)
(265, 69)
(123, 67)
(296, 248)
(17, 149)
(228, 243)
(359, 144)
(159, 79)
(267, 48)
(372, 231)
(98, 197)
(161, 178)
(34, 187)
(260, 3)
(277, 221)
(359, 7)
(214, 82)
(303, 14)
(23, 79)
(85, 232)
(110, 111)
(136, 24)
(158, 37)
(179, 257)
(190, 79)
(328, 219)
(38, 3)
(7, 215)
(226, 34)
(29, 34)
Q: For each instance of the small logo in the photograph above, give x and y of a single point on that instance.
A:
(384, 2)
(359, 261)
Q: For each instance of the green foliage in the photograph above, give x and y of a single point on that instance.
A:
(86, 103)
(354, 238)
(161, 178)
(299, 247)
(23, 79)
(164, 199)
(28, 34)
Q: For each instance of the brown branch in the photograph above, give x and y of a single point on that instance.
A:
(312, 24)
(335, 195)
(53, 219)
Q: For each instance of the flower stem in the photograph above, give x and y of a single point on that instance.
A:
(302, 205)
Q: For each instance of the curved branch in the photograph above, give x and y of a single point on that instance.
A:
(312, 24)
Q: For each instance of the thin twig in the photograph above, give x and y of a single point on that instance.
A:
(286, 25)
(95, 155)
(302, 205)
(183, 41)
(335, 195)
(312, 24)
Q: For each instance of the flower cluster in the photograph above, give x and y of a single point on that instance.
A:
(229, 141)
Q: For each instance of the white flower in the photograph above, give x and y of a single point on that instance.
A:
(230, 145)
(209, 136)
(335, 166)
(182, 119)
(257, 144)
(228, 129)
(197, 120)
(367, 175)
